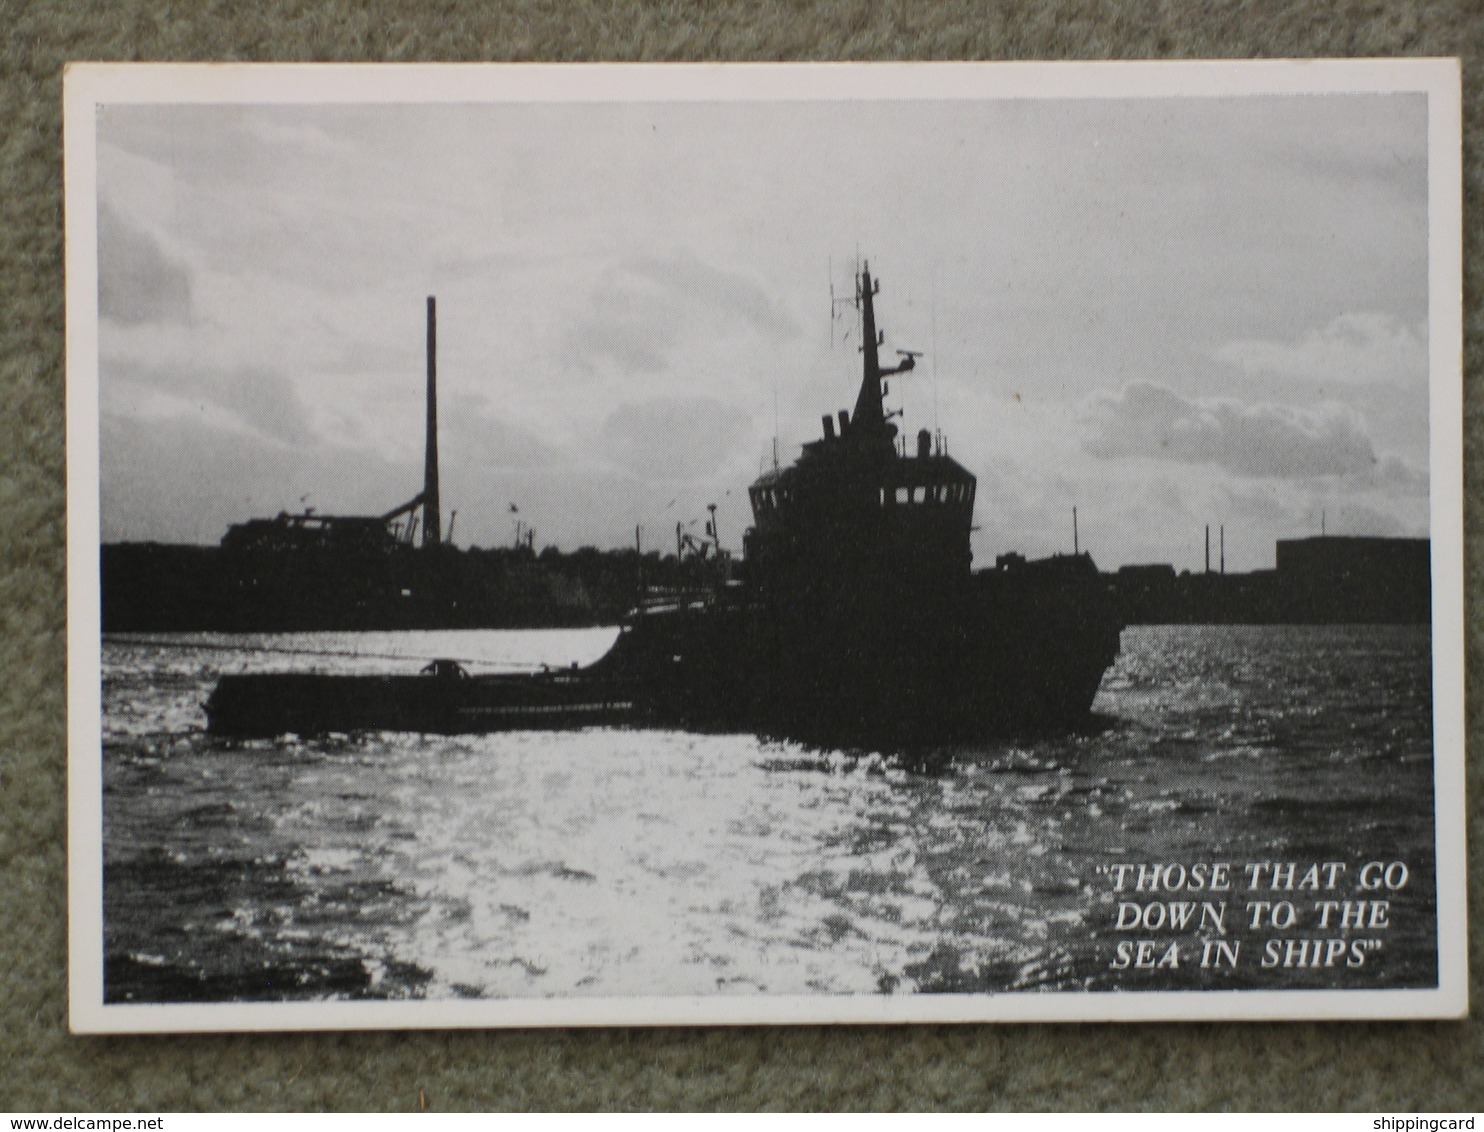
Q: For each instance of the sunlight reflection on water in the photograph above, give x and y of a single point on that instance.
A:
(632, 862)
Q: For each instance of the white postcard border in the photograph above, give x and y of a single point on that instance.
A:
(91, 85)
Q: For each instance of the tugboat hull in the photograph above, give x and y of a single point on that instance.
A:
(1016, 655)
(1018, 665)
(271, 704)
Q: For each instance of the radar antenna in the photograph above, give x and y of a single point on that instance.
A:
(835, 304)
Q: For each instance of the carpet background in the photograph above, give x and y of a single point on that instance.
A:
(42, 1067)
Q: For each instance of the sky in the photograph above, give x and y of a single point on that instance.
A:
(1164, 312)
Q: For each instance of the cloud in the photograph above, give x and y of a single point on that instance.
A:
(729, 293)
(1394, 476)
(470, 431)
(1297, 514)
(629, 325)
(676, 438)
(1263, 440)
(1121, 231)
(137, 281)
(649, 310)
(265, 401)
(1352, 349)
(186, 480)
(248, 400)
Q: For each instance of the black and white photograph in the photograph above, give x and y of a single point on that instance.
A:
(764, 543)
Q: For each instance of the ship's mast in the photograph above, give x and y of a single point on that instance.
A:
(869, 415)
(868, 422)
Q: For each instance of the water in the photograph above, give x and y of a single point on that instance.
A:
(599, 862)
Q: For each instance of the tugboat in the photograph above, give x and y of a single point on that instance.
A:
(858, 619)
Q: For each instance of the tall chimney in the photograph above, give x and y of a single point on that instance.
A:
(1208, 548)
(1223, 548)
(432, 524)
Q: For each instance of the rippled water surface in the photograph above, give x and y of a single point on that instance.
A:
(626, 862)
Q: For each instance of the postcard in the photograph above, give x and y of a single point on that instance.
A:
(706, 544)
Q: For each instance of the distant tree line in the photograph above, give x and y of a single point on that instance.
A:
(156, 587)
(267, 587)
